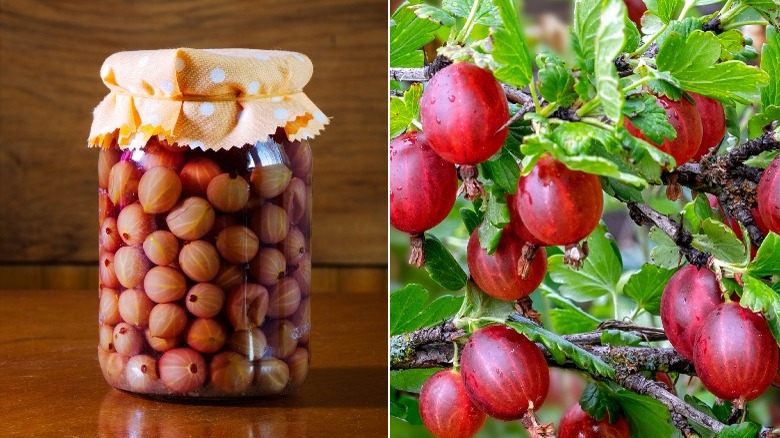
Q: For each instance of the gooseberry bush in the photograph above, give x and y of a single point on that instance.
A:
(591, 222)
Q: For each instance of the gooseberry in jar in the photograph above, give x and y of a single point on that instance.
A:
(247, 305)
(109, 235)
(294, 200)
(237, 244)
(558, 205)
(159, 190)
(191, 218)
(182, 370)
(685, 119)
(269, 181)
(251, 343)
(205, 300)
(504, 373)
(206, 335)
(228, 276)
(141, 373)
(158, 155)
(284, 298)
(688, 299)
(281, 336)
(123, 183)
(497, 274)
(298, 362)
(231, 373)
(197, 174)
(134, 225)
(106, 270)
(130, 266)
(294, 246)
(445, 407)
(199, 260)
(162, 344)
(161, 247)
(107, 158)
(464, 112)
(302, 275)
(108, 309)
(268, 266)
(128, 341)
(135, 307)
(167, 320)
(299, 153)
(272, 376)
(228, 192)
(164, 284)
(270, 223)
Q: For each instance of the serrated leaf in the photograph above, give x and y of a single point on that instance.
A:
(701, 206)
(664, 84)
(767, 260)
(408, 33)
(759, 297)
(597, 400)
(646, 287)
(633, 36)
(620, 191)
(768, 9)
(556, 82)
(480, 304)
(561, 349)
(744, 430)
(646, 417)
(599, 274)
(682, 28)
(442, 266)
(732, 43)
(665, 254)
(434, 14)
(405, 304)
(693, 62)
(471, 219)
(486, 13)
(646, 114)
(503, 170)
(439, 310)
(664, 9)
(720, 241)
(411, 380)
(770, 63)
(510, 50)
(618, 338)
(568, 318)
(586, 23)
(610, 38)
(599, 166)
(517, 131)
(408, 409)
(758, 122)
(489, 236)
(404, 110)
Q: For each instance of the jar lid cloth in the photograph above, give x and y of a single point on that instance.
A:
(204, 98)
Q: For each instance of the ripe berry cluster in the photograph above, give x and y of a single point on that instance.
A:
(205, 268)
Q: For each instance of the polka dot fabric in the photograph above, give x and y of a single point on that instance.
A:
(208, 99)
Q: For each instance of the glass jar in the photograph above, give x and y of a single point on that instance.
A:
(205, 267)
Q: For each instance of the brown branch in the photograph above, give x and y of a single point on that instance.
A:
(643, 214)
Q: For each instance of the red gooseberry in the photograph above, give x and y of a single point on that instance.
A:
(446, 409)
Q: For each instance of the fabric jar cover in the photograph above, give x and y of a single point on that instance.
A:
(204, 98)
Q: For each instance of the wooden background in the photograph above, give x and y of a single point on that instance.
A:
(50, 57)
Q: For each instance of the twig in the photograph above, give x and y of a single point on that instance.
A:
(642, 213)
(644, 386)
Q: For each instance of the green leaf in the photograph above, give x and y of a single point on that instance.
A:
(599, 274)
(561, 349)
(720, 241)
(479, 304)
(510, 50)
(496, 218)
(744, 430)
(664, 9)
(759, 297)
(768, 9)
(646, 287)
(489, 236)
(405, 305)
(646, 416)
(442, 266)
(556, 81)
(620, 191)
(597, 400)
(646, 114)
(732, 43)
(503, 170)
(486, 14)
(518, 130)
(665, 254)
(440, 309)
(683, 28)
(599, 166)
(411, 380)
(701, 207)
(568, 318)
(767, 261)
(406, 408)
(434, 14)
(586, 23)
(693, 62)
(770, 63)
(408, 33)
(757, 123)
(618, 338)
(471, 219)
(664, 84)
(404, 110)
(610, 38)
(633, 36)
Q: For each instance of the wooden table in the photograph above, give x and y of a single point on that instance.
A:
(51, 385)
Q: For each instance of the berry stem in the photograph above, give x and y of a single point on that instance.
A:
(648, 42)
(467, 26)
(417, 250)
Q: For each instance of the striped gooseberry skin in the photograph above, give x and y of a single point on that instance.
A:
(464, 111)
(735, 355)
(446, 409)
(576, 423)
(776, 382)
(505, 374)
(688, 299)
(496, 273)
(558, 205)
(769, 196)
(423, 186)
(713, 123)
(182, 370)
(685, 119)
